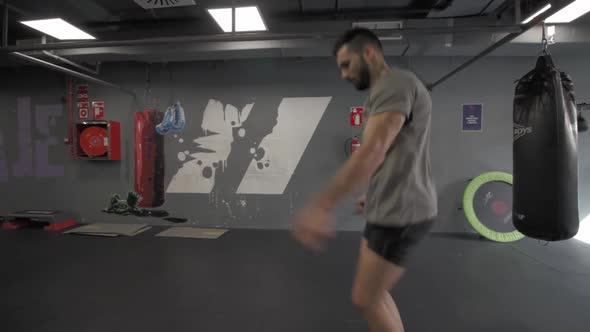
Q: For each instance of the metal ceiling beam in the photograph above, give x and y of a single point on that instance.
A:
(502, 42)
(161, 41)
(201, 48)
(252, 37)
(70, 72)
(354, 13)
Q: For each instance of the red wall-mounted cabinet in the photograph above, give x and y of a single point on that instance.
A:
(98, 140)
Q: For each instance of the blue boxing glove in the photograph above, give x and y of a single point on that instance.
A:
(179, 118)
(164, 127)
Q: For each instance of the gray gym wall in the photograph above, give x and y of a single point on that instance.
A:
(86, 186)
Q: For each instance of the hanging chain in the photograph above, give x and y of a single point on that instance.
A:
(544, 42)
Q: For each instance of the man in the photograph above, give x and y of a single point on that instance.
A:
(394, 160)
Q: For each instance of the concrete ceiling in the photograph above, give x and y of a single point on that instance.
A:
(468, 8)
(124, 19)
(463, 29)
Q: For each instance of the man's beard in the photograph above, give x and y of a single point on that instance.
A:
(364, 81)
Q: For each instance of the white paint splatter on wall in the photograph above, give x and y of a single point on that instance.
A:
(273, 162)
(198, 174)
(280, 152)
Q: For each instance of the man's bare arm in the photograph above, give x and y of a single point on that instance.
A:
(380, 133)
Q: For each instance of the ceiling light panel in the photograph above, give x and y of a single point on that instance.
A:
(223, 17)
(249, 19)
(571, 12)
(58, 28)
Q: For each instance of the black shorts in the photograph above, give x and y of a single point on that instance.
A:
(395, 243)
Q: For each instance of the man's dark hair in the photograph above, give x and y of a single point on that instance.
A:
(357, 39)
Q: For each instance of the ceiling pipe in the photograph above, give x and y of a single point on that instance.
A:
(71, 63)
(406, 50)
(73, 73)
(427, 4)
(442, 5)
(501, 42)
(482, 12)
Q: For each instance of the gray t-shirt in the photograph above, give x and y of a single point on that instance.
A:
(402, 190)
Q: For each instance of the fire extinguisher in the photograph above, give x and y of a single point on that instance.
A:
(352, 144)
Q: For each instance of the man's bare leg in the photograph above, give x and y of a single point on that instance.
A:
(375, 277)
(393, 310)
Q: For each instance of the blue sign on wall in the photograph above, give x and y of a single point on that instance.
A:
(472, 117)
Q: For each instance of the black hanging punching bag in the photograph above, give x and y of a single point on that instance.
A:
(545, 199)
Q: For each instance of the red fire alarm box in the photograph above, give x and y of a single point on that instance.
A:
(83, 113)
(355, 144)
(356, 116)
(98, 140)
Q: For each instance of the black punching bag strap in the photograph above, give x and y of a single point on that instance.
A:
(544, 63)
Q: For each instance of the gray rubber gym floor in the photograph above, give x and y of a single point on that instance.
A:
(253, 280)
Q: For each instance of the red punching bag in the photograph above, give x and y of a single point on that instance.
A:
(149, 159)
